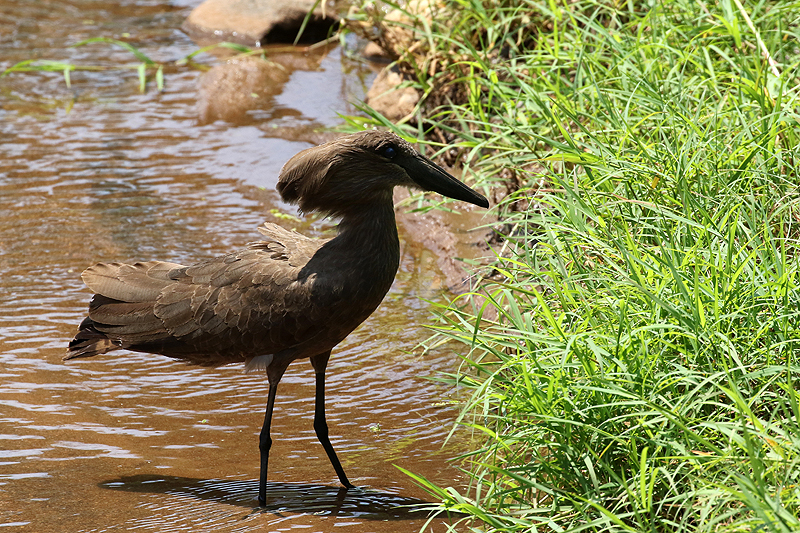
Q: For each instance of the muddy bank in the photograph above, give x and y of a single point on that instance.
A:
(451, 237)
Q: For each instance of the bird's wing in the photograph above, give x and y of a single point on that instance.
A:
(124, 298)
(227, 309)
(140, 282)
(298, 248)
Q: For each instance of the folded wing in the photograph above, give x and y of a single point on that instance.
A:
(249, 302)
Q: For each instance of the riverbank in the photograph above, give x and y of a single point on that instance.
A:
(634, 360)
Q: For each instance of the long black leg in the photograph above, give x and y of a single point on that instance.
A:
(320, 362)
(264, 440)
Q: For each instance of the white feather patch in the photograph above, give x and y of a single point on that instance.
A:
(255, 364)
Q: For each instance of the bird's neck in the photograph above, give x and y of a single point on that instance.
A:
(371, 231)
(353, 271)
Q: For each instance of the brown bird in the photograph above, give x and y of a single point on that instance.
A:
(284, 298)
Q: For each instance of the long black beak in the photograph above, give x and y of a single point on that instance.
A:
(431, 177)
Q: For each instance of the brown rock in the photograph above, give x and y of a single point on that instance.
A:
(373, 52)
(388, 98)
(258, 22)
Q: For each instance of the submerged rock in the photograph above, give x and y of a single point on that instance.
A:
(230, 89)
(259, 22)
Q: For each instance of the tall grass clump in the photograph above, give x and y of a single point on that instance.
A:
(633, 352)
(634, 368)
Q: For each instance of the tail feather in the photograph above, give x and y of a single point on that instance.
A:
(105, 310)
(89, 342)
(121, 313)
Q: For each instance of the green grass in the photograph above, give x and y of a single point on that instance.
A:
(633, 352)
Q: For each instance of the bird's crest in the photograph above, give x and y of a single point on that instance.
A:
(345, 172)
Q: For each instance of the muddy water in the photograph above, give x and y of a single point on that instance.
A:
(135, 442)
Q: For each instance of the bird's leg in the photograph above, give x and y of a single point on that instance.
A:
(274, 374)
(320, 362)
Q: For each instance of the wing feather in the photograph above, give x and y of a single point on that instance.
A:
(230, 308)
(140, 282)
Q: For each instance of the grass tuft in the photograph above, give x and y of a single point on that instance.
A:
(632, 352)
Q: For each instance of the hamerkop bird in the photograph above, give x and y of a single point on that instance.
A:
(285, 298)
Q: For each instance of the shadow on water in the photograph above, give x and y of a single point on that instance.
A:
(298, 498)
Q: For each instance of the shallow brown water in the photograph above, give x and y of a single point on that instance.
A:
(126, 441)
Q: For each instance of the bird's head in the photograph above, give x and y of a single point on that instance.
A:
(363, 168)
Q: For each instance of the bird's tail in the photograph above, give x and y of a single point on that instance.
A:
(89, 342)
(121, 310)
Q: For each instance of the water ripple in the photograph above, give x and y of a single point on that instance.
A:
(131, 441)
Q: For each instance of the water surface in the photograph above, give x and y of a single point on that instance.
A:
(127, 441)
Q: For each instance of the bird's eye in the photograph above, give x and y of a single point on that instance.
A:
(389, 151)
